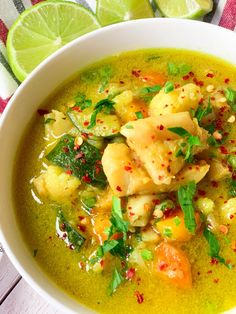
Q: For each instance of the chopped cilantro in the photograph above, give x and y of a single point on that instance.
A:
(106, 74)
(202, 112)
(185, 198)
(214, 247)
(139, 115)
(105, 105)
(177, 221)
(230, 95)
(167, 232)
(128, 126)
(147, 255)
(232, 161)
(82, 102)
(232, 187)
(175, 69)
(169, 87)
(150, 89)
(192, 141)
(117, 279)
(151, 58)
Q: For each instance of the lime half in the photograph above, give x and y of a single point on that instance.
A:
(109, 12)
(42, 29)
(184, 8)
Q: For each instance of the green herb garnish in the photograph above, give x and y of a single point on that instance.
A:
(48, 120)
(232, 161)
(139, 115)
(214, 247)
(177, 221)
(185, 198)
(151, 58)
(202, 112)
(232, 187)
(150, 89)
(169, 87)
(230, 95)
(128, 126)
(117, 279)
(82, 102)
(106, 105)
(147, 255)
(167, 232)
(192, 141)
(175, 69)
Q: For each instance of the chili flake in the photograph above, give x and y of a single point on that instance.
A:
(139, 296)
(118, 188)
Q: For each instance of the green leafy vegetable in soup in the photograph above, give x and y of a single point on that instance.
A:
(129, 189)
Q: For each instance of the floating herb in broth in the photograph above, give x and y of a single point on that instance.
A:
(130, 189)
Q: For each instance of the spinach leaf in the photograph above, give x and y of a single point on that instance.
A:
(117, 279)
(230, 95)
(185, 198)
(106, 105)
(192, 141)
(214, 247)
(84, 163)
(202, 112)
(65, 231)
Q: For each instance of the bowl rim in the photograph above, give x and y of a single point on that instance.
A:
(90, 36)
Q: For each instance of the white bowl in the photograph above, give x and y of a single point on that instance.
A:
(148, 33)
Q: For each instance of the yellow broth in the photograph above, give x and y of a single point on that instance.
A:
(214, 286)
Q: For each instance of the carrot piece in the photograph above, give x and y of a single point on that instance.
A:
(100, 223)
(153, 78)
(173, 265)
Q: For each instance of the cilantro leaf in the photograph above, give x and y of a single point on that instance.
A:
(177, 221)
(106, 105)
(175, 69)
(232, 187)
(117, 217)
(150, 89)
(202, 112)
(230, 95)
(192, 141)
(185, 198)
(214, 247)
(169, 87)
(167, 232)
(139, 115)
(82, 102)
(117, 279)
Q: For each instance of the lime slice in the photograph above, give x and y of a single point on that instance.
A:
(109, 12)
(184, 8)
(44, 28)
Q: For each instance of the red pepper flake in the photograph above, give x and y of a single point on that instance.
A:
(201, 192)
(231, 216)
(128, 168)
(102, 263)
(139, 296)
(214, 261)
(198, 273)
(122, 82)
(130, 273)
(97, 169)
(214, 184)
(71, 246)
(156, 202)
(211, 75)
(209, 272)
(191, 74)
(65, 149)
(81, 265)
(223, 150)
(162, 266)
(198, 83)
(136, 73)
(81, 228)
(201, 101)
(79, 155)
(69, 172)
(227, 80)
(77, 109)
(186, 77)
(118, 188)
(86, 123)
(216, 280)
(86, 178)
(42, 112)
(161, 127)
(62, 226)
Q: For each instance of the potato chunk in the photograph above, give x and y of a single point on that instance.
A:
(56, 124)
(228, 210)
(126, 106)
(156, 146)
(180, 99)
(56, 184)
(218, 170)
(139, 209)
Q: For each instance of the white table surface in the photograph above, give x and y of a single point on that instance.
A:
(16, 296)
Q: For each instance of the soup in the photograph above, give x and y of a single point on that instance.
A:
(126, 193)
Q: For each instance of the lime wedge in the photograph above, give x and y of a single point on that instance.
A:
(109, 12)
(184, 8)
(44, 28)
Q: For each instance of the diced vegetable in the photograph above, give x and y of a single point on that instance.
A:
(218, 170)
(139, 209)
(65, 231)
(83, 162)
(126, 106)
(178, 100)
(149, 235)
(176, 226)
(107, 124)
(56, 125)
(232, 161)
(173, 265)
(55, 184)
(228, 210)
(205, 205)
(231, 98)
